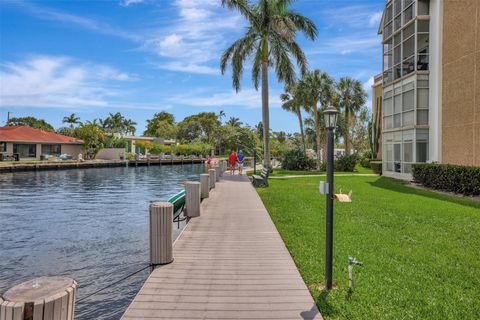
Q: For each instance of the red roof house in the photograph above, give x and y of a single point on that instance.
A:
(32, 143)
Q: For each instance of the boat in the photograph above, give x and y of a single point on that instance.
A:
(178, 201)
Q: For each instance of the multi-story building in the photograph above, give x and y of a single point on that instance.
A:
(431, 83)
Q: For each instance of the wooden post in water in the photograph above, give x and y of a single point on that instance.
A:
(212, 173)
(44, 298)
(204, 185)
(161, 224)
(192, 199)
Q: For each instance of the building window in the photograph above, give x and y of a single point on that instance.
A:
(3, 147)
(409, 12)
(422, 151)
(25, 150)
(423, 7)
(51, 149)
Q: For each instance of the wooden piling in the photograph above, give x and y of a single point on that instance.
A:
(204, 185)
(192, 199)
(212, 173)
(161, 224)
(44, 298)
(221, 168)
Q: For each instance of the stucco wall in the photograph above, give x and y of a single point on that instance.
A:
(461, 82)
(73, 149)
(111, 154)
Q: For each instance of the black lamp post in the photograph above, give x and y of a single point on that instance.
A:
(254, 160)
(330, 116)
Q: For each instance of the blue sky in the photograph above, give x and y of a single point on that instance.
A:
(144, 56)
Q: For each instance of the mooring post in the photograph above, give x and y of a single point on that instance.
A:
(192, 199)
(212, 173)
(44, 298)
(161, 225)
(217, 173)
(204, 185)
(220, 168)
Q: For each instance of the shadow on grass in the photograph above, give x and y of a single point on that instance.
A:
(326, 309)
(400, 186)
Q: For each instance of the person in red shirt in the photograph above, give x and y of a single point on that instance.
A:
(232, 158)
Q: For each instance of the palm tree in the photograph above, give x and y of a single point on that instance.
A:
(129, 126)
(270, 41)
(234, 122)
(258, 129)
(317, 87)
(351, 97)
(72, 120)
(293, 102)
(221, 115)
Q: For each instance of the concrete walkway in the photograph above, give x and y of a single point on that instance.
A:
(230, 263)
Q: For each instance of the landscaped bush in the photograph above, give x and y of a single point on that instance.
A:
(159, 149)
(365, 159)
(453, 178)
(376, 166)
(296, 159)
(346, 163)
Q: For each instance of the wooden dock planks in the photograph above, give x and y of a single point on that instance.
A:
(230, 263)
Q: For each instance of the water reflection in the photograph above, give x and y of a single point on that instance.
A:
(91, 225)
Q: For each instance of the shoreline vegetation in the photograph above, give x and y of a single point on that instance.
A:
(419, 260)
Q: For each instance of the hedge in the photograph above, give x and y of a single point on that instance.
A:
(376, 166)
(453, 178)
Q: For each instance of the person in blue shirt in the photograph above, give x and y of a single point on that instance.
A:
(240, 159)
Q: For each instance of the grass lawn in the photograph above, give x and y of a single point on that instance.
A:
(421, 250)
(278, 172)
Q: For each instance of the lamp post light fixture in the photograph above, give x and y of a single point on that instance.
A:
(330, 117)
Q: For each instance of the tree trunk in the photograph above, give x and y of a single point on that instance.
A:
(302, 134)
(265, 116)
(317, 132)
(347, 132)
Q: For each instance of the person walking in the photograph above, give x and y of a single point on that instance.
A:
(232, 158)
(240, 159)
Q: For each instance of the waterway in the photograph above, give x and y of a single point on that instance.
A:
(88, 224)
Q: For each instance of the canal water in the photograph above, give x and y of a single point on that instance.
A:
(89, 224)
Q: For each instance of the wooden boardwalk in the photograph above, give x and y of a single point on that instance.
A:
(230, 263)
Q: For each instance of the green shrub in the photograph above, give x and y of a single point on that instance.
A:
(346, 163)
(160, 148)
(453, 178)
(376, 166)
(365, 159)
(296, 159)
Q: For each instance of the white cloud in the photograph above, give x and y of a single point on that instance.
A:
(57, 82)
(348, 44)
(367, 86)
(248, 99)
(69, 19)
(375, 19)
(126, 3)
(194, 43)
(189, 68)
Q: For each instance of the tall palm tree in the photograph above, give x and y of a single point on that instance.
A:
(129, 126)
(293, 102)
(72, 120)
(234, 122)
(351, 97)
(317, 87)
(270, 41)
